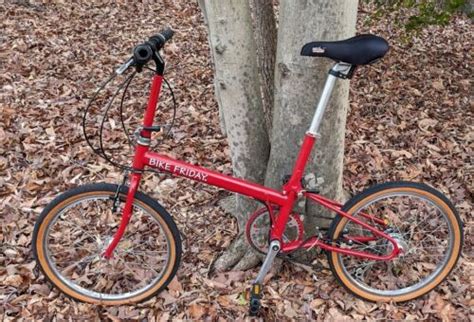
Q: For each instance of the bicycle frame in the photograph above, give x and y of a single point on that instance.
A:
(284, 199)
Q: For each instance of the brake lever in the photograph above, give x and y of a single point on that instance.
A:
(124, 67)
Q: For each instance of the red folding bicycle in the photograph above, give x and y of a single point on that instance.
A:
(111, 244)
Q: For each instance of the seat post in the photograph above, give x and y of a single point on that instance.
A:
(339, 70)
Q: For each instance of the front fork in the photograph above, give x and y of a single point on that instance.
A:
(126, 213)
(134, 178)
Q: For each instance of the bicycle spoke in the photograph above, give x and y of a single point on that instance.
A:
(360, 265)
(70, 267)
(421, 256)
(146, 252)
(419, 224)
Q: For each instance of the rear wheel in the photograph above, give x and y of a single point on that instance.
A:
(427, 230)
(74, 230)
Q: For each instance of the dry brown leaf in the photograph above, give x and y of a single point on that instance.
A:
(196, 311)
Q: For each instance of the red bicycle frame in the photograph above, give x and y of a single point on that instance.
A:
(284, 200)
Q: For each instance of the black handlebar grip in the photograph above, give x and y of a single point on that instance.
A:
(158, 40)
(142, 54)
(167, 33)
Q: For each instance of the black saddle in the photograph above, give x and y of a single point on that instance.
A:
(358, 50)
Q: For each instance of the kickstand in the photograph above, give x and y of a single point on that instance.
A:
(256, 291)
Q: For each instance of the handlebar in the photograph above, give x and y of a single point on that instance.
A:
(144, 52)
(157, 41)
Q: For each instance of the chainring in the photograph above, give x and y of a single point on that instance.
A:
(257, 229)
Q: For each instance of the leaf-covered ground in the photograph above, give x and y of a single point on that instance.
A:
(411, 118)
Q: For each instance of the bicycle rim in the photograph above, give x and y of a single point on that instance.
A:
(423, 231)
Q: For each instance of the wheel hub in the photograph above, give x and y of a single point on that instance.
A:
(104, 244)
(401, 243)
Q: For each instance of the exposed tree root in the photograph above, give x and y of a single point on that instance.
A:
(239, 256)
(250, 260)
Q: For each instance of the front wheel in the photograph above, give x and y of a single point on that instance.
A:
(426, 228)
(73, 231)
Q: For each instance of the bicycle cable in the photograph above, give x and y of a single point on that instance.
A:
(101, 151)
(86, 111)
(122, 121)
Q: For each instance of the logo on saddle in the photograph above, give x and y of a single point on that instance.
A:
(319, 50)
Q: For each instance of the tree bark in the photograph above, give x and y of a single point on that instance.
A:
(298, 83)
(237, 88)
(202, 5)
(468, 8)
(266, 39)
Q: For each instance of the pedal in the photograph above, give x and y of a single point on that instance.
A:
(254, 301)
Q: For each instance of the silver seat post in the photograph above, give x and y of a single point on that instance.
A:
(338, 70)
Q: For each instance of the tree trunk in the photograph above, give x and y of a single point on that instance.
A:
(237, 89)
(266, 39)
(298, 83)
(468, 8)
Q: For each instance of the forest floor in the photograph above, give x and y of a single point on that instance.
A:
(411, 118)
